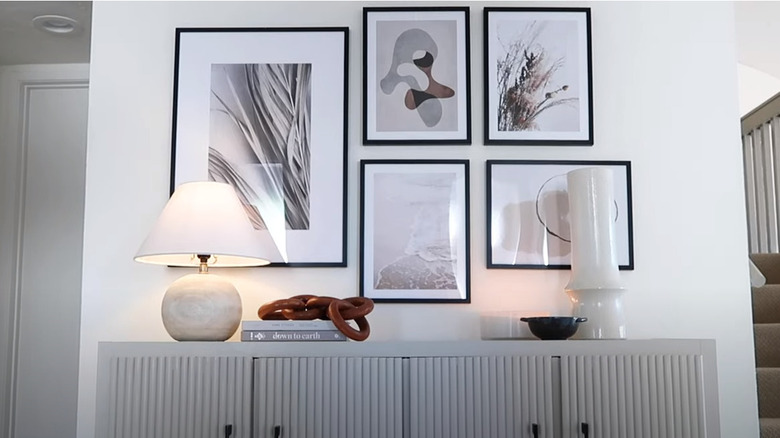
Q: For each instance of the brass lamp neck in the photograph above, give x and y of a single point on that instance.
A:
(203, 267)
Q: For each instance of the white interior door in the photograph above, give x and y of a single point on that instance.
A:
(43, 127)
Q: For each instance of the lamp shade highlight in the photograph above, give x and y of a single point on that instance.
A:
(202, 218)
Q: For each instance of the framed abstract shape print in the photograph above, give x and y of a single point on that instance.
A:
(414, 231)
(528, 225)
(538, 85)
(264, 110)
(416, 76)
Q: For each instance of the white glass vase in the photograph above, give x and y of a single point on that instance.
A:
(594, 287)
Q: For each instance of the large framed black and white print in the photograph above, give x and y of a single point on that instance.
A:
(538, 85)
(264, 110)
(528, 222)
(416, 79)
(414, 231)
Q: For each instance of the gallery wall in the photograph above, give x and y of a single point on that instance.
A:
(665, 98)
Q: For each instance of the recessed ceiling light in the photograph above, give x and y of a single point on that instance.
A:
(56, 24)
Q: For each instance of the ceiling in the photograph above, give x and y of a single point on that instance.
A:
(21, 43)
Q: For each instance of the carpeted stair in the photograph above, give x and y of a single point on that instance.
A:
(766, 329)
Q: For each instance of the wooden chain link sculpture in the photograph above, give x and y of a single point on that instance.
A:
(308, 307)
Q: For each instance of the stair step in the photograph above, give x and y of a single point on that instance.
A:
(766, 329)
(766, 304)
(768, 380)
(767, 344)
(769, 265)
(770, 427)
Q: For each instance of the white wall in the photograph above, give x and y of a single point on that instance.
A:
(757, 37)
(755, 88)
(665, 98)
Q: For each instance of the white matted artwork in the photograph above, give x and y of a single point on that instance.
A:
(528, 213)
(264, 110)
(538, 86)
(416, 79)
(414, 230)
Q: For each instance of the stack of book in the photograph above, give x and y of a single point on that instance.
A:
(298, 331)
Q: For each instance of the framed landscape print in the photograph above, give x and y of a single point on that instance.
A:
(528, 213)
(538, 85)
(264, 110)
(416, 76)
(414, 231)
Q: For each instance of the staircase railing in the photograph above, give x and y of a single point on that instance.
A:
(761, 153)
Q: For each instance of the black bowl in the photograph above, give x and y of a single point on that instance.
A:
(551, 328)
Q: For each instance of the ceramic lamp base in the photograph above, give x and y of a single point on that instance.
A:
(604, 310)
(201, 307)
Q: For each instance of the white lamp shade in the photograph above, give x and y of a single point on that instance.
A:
(203, 218)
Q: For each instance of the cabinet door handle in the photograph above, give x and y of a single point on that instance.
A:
(277, 431)
(228, 430)
(535, 430)
(585, 429)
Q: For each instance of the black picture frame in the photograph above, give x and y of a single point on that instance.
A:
(526, 227)
(538, 76)
(396, 108)
(265, 110)
(414, 231)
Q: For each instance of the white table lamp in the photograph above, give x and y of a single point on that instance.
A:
(204, 224)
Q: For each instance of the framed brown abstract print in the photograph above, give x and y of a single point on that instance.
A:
(416, 76)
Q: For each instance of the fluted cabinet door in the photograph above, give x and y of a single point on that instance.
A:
(638, 396)
(179, 397)
(328, 397)
(482, 396)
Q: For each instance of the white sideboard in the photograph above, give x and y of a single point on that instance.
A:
(498, 389)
